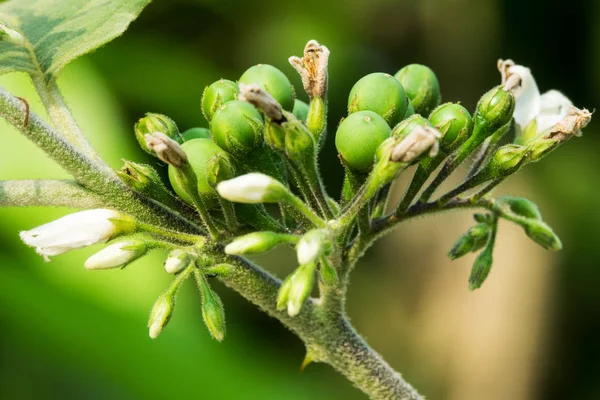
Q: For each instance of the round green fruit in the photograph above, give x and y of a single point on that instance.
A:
(454, 123)
(217, 94)
(380, 93)
(198, 151)
(421, 86)
(273, 81)
(358, 137)
(300, 110)
(237, 127)
(196, 133)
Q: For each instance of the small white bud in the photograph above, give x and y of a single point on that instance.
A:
(257, 242)
(301, 285)
(253, 188)
(160, 315)
(116, 255)
(77, 230)
(176, 261)
(311, 246)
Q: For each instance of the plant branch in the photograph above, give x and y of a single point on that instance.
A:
(47, 193)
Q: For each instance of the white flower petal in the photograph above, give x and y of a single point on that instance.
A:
(112, 256)
(553, 109)
(528, 96)
(251, 188)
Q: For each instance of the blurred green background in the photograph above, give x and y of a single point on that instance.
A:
(529, 333)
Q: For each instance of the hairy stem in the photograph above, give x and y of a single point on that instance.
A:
(47, 193)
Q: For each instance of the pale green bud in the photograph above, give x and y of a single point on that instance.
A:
(312, 245)
(301, 286)
(258, 242)
(473, 240)
(160, 314)
(521, 206)
(177, 260)
(542, 234)
(283, 294)
(140, 177)
(212, 309)
(253, 188)
(153, 123)
(481, 269)
(118, 254)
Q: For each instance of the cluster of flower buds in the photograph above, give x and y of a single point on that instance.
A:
(261, 146)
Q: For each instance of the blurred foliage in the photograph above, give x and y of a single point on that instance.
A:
(71, 333)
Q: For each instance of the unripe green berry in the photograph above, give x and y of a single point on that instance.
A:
(195, 133)
(380, 93)
(155, 123)
(198, 151)
(358, 137)
(217, 94)
(300, 110)
(421, 86)
(454, 122)
(405, 127)
(237, 127)
(273, 81)
(495, 108)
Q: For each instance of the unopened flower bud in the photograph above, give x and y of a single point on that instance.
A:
(506, 160)
(312, 245)
(421, 86)
(313, 69)
(301, 286)
(316, 120)
(283, 293)
(237, 127)
(78, 230)
(494, 110)
(10, 35)
(542, 234)
(481, 268)
(273, 81)
(520, 206)
(212, 309)
(217, 94)
(253, 188)
(358, 137)
(300, 110)
(177, 260)
(195, 133)
(380, 93)
(118, 254)
(219, 168)
(473, 240)
(258, 242)
(454, 122)
(166, 149)
(160, 314)
(152, 123)
(139, 176)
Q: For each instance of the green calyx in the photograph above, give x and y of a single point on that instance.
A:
(380, 93)
(220, 167)
(494, 110)
(237, 127)
(358, 137)
(217, 94)
(421, 86)
(506, 160)
(199, 152)
(454, 122)
(195, 133)
(155, 123)
(273, 81)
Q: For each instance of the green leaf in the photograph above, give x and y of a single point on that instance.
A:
(56, 32)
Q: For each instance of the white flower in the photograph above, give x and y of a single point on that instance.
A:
(252, 188)
(311, 246)
(177, 260)
(75, 231)
(546, 110)
(114, 255)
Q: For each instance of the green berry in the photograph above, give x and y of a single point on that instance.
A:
(237, 127)
(408, 125)
(454, 122)
(198, 151)
(273, 81)
(155, 123)
(217, 94)
(421, 86)
(195, 133)
(380, 93)
(300, 110)
(495, 108)
(358, 137)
